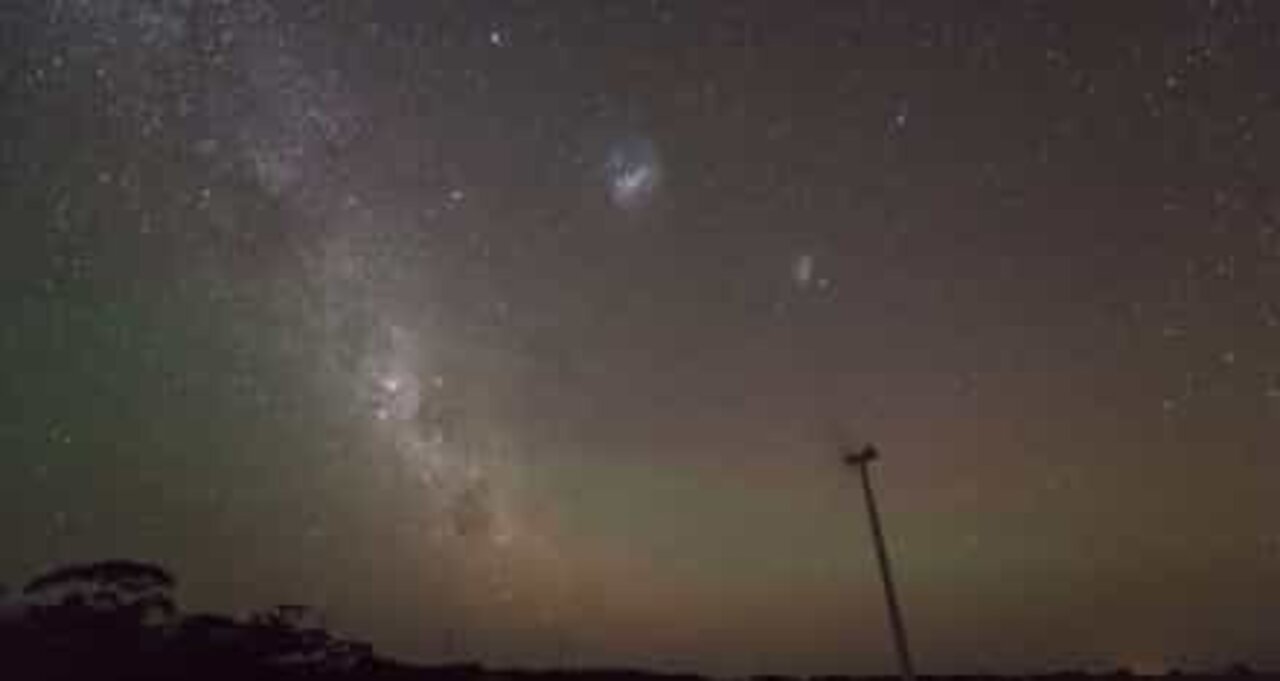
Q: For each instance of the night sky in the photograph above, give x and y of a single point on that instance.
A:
(529, 332)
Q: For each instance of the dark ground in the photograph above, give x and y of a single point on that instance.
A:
(116, 620)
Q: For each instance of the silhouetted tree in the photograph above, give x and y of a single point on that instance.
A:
(126, 591)
(107, 616)
(293, 636)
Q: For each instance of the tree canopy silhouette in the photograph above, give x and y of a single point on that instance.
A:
(140, 593)
(118, 619)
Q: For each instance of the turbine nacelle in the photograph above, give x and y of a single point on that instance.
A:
(861, 457)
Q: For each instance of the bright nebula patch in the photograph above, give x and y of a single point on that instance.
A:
(633, 172)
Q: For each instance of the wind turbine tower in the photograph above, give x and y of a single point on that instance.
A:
(861, 460)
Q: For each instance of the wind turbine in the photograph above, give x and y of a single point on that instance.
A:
(861, 460)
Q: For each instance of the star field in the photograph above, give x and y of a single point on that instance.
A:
(529, 333)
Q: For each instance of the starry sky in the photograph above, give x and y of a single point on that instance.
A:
(529, 332)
